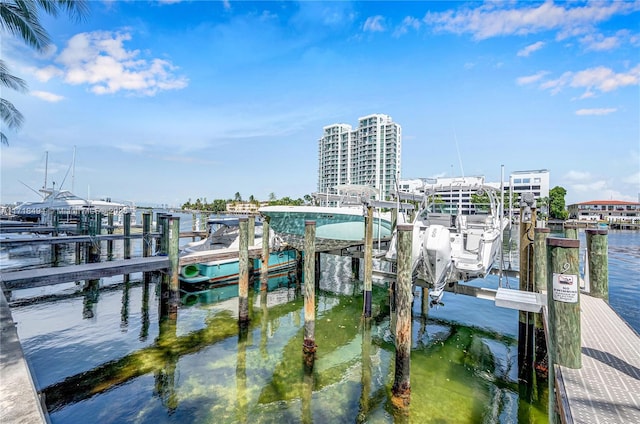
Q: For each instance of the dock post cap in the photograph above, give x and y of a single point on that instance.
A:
(562, 242)
(309, 222)
(542, 230)
(598, 231)
(405, 227)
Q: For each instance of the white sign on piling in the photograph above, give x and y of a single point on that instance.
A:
(565, 288)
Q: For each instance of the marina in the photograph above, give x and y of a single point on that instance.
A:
(332, 284)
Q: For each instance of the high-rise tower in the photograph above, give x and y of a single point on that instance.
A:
(368, 155)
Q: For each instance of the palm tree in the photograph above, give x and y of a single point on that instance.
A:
(20, 18)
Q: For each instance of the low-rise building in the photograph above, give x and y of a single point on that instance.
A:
(605, 210)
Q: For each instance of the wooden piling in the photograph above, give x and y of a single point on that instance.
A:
(368, 261)
(401, 390)
(110, 231)
(146, 234)
(355, 268)
(162, 225)
(526, 319)
(571, 231)
(539, 286)
(597, 256)
(55, 248)
(79, 231)
(243, 272)
(563, 298)
(174, 255)
(309, 343)
(126, 227)
(251, 229)
(264, 259)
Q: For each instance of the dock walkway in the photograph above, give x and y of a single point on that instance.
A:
(607, 387)
(19, 400)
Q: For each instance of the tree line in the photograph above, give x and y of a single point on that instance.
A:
(220, 205)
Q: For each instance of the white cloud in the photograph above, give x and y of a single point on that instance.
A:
(632, 179)
(46, 73)
(577, 176)
(531, 48)
(46, 96)
(494, 19)
(100, 60)
(408, 22)
(601, 111)
(530, 79)
(17, 157)
(599, 42)
(374, 24)
(600, 79)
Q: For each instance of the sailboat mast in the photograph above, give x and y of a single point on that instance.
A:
(46, 171)
(73, 170)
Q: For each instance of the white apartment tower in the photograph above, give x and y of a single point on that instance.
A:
(368, 155)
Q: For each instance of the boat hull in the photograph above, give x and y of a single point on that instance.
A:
(229, 270)
(336, 227)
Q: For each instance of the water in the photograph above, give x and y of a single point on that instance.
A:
(111, 357)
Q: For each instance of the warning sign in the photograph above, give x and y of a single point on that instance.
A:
(565, 288)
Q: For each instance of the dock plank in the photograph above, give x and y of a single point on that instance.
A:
(47, 276)
(19, 400)
(607, 387)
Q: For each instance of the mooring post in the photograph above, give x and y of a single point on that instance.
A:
(110, 231)
(401, 390)
(78, 246)
(55, 248)
(126, 226)
(146, 234)
(368, 261)
(539, 286)
(355, 268)
(563, 304)
(243, 272)
(194, 225)
(571, 231)
(174, 257)
(309, 343)
(526, 319)
(597, 256)
(563, 298)
(251, 227)
(162, 224)
(95, 228)
(264, 259)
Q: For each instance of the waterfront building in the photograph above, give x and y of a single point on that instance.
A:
(613, 211)
(368, 155)
(536, 182)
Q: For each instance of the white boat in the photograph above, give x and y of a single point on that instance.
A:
(337, 227)
(68, 206)
(224, 233)
(454, 242)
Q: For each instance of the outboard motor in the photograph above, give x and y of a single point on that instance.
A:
(437, 253)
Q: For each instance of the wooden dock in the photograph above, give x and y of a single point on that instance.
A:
(39, 277)
(607, 387)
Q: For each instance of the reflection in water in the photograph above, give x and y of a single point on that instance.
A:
(202, 367)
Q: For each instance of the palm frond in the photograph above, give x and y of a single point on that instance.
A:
(10, 115)
(11, 81)
(20, 18)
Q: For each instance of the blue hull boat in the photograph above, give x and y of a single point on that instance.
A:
(228, 270)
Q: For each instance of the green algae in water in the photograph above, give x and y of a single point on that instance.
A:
(220, 373)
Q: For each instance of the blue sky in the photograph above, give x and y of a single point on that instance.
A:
(175, 100)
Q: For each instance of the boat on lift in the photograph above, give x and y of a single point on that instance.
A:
(337, 227)
(457, 233)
